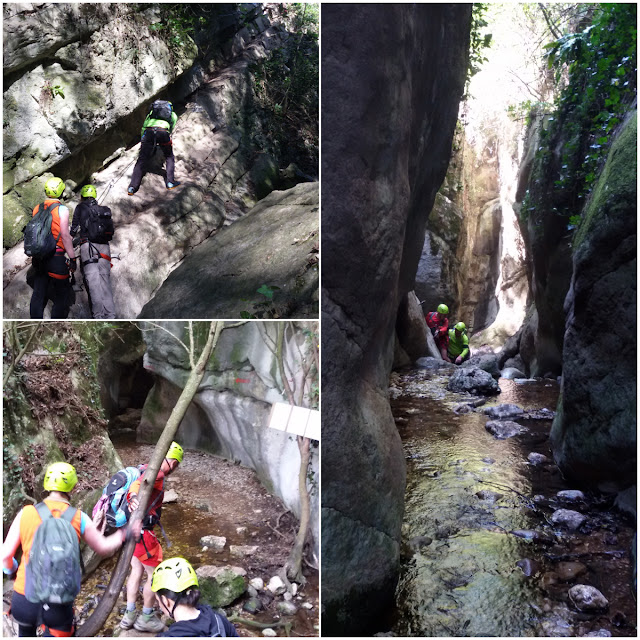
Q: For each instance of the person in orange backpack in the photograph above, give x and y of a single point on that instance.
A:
(51, 274)
(63, 580)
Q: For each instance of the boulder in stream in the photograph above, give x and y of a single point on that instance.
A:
(502, 411)
(587, 598)
(434, 363)
(503, 429)
(568, 519)
(474, 381)
(485, 361)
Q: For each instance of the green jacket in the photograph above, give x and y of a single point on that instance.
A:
(457, 346)
(163, 124)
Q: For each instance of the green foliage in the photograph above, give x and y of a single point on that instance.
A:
(267, 291)
(597, 66)
(479, 39)
(287, 89)
(178, 24)
(524, 111)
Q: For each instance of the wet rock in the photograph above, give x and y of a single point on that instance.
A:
(242, 551)
(529, 567)
(434, 364)
(571, 495)
(536, 536)
(568, 571)
(420, 541)
(503, 429)
(540, 414)
(537, 459)
(276, 585)
(461, 409)
(557, 625)
(252, 592)
(287, 608)
(253, 605)
(485, 361)
(287, 596)
(474, 381)
(549, 578)
(489, 496)
(502, 411)
(511, 373)
(568, 519)
(307, 605)
(587, 598)
(216, 543)
(488, 460)
(269, 633)
(539, 499)
(220, 586)
(600, 633)
(257, 583)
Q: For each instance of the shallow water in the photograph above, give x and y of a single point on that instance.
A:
(466, 581)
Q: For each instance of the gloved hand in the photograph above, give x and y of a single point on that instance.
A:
(73, 264)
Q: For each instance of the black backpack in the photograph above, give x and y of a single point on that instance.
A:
(97, 223)
(161, 110)
(39, 242)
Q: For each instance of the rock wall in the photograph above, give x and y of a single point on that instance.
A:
(594, 432)
(229, 414)
(392, 76)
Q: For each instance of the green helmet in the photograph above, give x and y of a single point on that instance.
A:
(443, 309)
(460, 326)
(54, 187)
(60, 476)
(175, 452)
(89, 191)
(175, 574)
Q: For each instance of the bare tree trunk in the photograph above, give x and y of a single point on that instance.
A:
(102, 611)
(293, 566)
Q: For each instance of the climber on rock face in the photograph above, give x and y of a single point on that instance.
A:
(458, 346)
(156, 132)
(50, 272)
(94, 226)
(438, 322)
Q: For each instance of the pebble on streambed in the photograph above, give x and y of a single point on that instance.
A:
(571, 520)
(587, 598)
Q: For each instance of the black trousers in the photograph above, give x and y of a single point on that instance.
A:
(151, 139)
(30, 615)
(46, 288)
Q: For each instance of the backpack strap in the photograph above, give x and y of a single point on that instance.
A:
(43, 511)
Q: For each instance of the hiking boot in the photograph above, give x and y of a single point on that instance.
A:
(131, 191)
(148, 622)
(172, 185)
(128, 619)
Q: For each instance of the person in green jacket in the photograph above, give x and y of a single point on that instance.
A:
(458, 347)
(156, 132)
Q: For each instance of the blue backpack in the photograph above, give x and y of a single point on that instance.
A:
(113, 502)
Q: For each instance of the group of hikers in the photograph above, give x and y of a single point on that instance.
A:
(48, 576)
(453, 344)
(48, 239)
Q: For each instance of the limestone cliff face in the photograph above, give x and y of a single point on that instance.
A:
(229, 414)
(594, 433)
(392, 77)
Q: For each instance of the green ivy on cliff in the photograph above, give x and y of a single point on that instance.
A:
(596, 68)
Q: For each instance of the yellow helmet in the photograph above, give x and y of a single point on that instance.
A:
(175, 574)
(60, 476)
(175, 452)
(54, 187)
